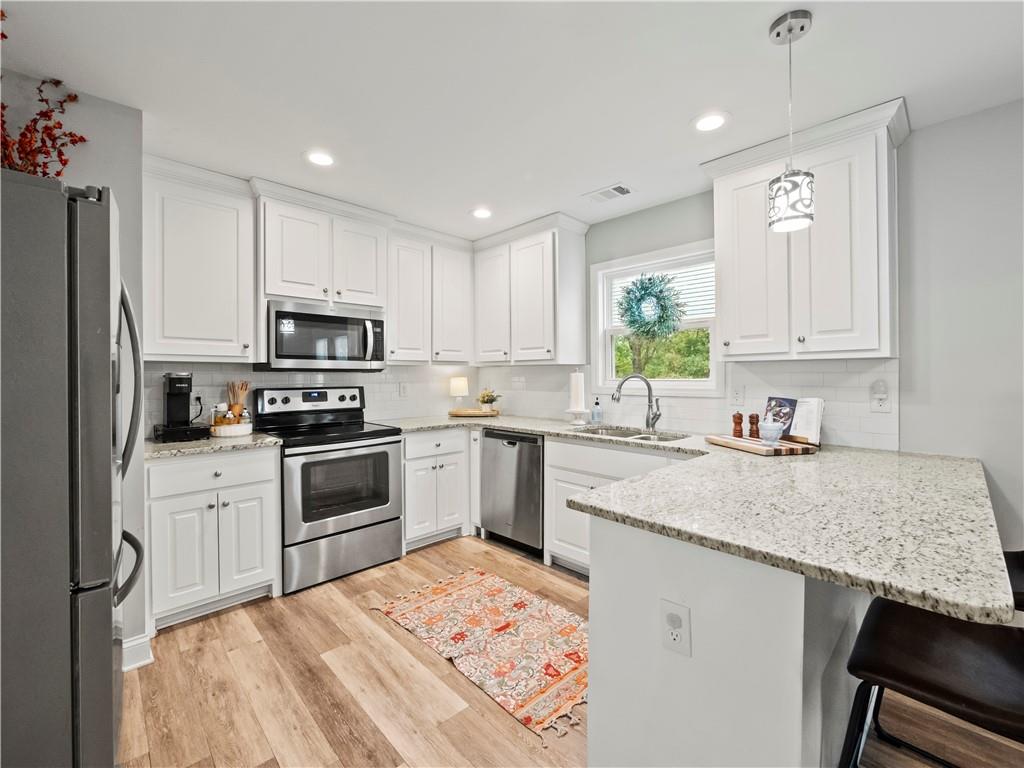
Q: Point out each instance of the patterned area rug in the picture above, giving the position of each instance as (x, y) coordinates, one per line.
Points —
(527, 653)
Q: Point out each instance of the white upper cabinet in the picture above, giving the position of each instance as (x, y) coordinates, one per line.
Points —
(296, 251)
(827, 291)
(359, 251)
(533, 297)
(835, 261)
(452, 304)
(198, 264)
(752, 266)
(409, 286)
(492, 305)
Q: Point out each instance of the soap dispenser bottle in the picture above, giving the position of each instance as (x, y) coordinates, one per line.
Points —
(596, 415)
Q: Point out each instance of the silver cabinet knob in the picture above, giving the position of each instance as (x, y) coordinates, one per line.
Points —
(434, 467)
(391, 351)
(505, 354)
(325, 291)
(225, 503)
(211, 505)
(801, 339)
(725, 343)
(437, 445)
(338, 292)
(440, 466)
(218, 473)
(436, 354)
(245, 346)
(548, 351)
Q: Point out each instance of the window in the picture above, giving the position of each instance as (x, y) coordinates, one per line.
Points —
(680, 363)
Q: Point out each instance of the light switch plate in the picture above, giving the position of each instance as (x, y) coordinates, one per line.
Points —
(674, 624)
(880, 404)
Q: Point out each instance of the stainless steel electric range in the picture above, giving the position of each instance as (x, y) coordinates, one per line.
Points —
(341, 482)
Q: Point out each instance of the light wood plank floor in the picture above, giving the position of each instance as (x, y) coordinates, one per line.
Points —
(319, 679)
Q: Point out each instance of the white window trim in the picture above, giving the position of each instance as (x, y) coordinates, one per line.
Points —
(602, 376)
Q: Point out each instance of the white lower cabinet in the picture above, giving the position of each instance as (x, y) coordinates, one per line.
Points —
(436, 483)
(214, 525)
(571, 469)
(474, 477)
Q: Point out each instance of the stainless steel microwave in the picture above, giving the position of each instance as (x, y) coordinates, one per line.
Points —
(312, 337)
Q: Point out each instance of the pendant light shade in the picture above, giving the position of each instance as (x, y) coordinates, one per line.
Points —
(790, 194)
(791, 201)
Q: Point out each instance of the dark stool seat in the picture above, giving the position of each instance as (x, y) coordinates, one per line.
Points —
(1015, 567)
(972, 671)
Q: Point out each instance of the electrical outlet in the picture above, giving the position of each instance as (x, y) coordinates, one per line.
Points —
(403, 390)
(675, 627)
(738, 395)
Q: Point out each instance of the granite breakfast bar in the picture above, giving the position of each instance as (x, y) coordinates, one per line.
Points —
(770, 563)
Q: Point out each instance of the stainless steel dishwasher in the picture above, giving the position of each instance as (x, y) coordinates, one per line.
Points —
(512, 486)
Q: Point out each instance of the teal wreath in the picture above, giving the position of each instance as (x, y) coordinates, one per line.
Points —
(650, 307)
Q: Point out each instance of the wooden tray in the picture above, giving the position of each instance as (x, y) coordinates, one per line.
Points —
(472, 412)
(782, 448)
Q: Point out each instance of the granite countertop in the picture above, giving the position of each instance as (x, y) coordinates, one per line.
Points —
(915, 528)
(155, 450)
(687, 446)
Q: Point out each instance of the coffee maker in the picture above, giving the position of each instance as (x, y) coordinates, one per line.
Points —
(177, 424)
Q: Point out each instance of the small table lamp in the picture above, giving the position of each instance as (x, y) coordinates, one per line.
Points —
(458, 387)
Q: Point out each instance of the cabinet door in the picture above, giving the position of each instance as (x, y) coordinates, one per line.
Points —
(198, 271)
(409, 286)
(474, 477)
(452, 490)
(249, 548)
(492, 297)
(453, 304)
(835, 261)
(296, 251)
(533, 297)
(359, 251)
(420, 497)
(752, 266)
(567, 532)
(184, 551)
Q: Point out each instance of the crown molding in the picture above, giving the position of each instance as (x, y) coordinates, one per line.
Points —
(416, 232)
(172, 170)
(891, 115)
(286, 194)
(551, 221)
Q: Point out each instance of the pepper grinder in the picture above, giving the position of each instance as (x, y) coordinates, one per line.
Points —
(737, 424)
(755, 429)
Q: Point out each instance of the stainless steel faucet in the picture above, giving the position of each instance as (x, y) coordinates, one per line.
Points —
(653, 403)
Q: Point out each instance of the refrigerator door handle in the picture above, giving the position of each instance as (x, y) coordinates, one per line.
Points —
(121, 592)
(134, 422)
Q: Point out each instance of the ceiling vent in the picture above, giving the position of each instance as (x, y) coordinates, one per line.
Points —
(613, 192)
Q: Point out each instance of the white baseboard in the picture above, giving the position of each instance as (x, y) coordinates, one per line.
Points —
(136, 652)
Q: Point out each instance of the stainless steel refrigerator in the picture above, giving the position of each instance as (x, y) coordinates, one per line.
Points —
(67, 564)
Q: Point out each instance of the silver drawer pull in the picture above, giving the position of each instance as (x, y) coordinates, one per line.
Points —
(225, 503)
(218, 473)
(211, 505)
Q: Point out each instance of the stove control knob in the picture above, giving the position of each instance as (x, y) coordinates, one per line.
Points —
(353, 398)
(341, 398)
(272, 401)
(285, 400)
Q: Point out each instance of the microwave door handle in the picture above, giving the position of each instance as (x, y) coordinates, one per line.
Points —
(369, 340)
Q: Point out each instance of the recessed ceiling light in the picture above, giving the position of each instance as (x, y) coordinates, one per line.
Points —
(481, 213)
(711, 121)
(319, 157)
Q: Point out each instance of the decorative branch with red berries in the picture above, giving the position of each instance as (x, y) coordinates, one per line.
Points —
(41, 144)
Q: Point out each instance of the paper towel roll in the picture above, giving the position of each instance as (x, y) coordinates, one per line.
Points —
(576, 396)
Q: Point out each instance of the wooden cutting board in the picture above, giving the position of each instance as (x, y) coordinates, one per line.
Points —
(750, 445)
(472, 412)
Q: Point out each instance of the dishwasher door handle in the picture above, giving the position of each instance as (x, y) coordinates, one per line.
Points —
(510, 443)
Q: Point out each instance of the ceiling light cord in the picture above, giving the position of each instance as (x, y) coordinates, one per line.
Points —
(789, 48)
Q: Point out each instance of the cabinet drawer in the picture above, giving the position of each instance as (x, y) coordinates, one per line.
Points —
(434, 443)
(169, 477)
(608, 462)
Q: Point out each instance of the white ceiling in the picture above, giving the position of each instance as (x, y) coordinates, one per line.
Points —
(432, 109)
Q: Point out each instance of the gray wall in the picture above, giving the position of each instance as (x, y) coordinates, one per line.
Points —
(680, 221)
(112, 157)
(960, 212)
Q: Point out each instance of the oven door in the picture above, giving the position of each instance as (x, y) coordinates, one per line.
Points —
(306, 336)
(335, 490)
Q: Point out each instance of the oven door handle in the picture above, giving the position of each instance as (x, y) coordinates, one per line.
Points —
(369, 340)
(316, 452)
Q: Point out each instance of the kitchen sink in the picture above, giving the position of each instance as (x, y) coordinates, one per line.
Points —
(661, 437)
(622, 432)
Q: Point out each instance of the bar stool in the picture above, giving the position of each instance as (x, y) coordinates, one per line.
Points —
(1015, 567)
(972, 671)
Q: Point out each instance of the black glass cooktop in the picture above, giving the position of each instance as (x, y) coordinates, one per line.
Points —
(327, 434)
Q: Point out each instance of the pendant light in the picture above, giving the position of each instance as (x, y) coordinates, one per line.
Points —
(790, 194)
